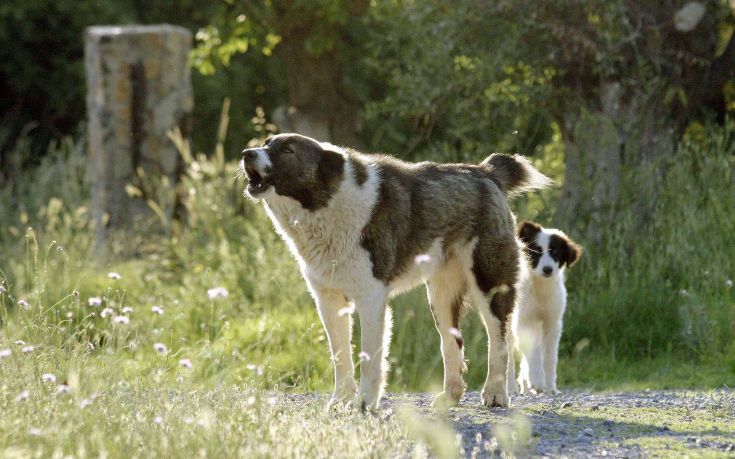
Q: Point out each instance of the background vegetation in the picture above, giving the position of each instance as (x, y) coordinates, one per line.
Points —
(605, 105)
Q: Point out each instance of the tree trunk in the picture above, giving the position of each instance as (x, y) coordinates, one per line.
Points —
(319, 105)
(610, 144)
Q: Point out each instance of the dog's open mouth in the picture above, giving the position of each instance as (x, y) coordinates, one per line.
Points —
(257, 182)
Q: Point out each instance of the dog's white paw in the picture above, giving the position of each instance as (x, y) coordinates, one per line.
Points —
(512, 387)
(450, 396)
(444, 400)
(495, 398)
(343, 396)
(340, 401)
(365, 402)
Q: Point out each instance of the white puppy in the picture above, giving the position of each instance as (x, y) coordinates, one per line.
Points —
(542, 297)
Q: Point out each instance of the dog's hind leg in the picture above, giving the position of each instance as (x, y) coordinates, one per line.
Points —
(446, 289)
(495, 390)
(334, 311)
(495, 269)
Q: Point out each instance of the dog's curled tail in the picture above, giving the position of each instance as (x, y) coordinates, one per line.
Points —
(515, 174)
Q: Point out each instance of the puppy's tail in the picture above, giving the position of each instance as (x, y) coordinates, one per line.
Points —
(515, 174)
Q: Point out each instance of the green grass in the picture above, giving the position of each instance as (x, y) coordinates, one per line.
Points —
(650, 308)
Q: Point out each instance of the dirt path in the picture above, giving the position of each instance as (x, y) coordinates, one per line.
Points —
(578, 424)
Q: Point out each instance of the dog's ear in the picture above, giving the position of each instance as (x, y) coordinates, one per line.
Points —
(527, 231)
(573, 252)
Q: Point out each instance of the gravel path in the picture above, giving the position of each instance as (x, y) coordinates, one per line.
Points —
(579, 424)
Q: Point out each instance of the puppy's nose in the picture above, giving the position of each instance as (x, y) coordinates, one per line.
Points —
(547, 270)
(249, 153)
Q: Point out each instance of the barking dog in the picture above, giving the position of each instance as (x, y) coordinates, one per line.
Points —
(542, 298)
(364, 227)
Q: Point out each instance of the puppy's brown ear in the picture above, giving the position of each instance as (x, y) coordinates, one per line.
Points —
(574, 251)
(527, 231)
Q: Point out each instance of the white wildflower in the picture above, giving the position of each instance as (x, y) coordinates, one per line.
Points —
(85, 403)
(23, 396)
(455, 332)
(2, 289)
(160, 348)
(346, 311)
(157, 310)
(19, 342)
(157, 420)
(94, 301)
(23, 303)
(217, 292)
(35, 432)
(5, 353)
(186, 363)
(728, 283)
(63, 389)
(48, 377)
(122, 320)
(363, 356)
(107, 312)
(422, 259)
(255, 368)
(114, 276)
(250, 401)
(127, 310)
(27, 349)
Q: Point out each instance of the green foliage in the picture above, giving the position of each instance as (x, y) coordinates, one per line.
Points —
(43, 83)
(663, 282)
(456, 87)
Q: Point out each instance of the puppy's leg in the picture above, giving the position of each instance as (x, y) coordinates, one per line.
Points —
(495, 391)
(375, 324)
(334, 312)
(551, 349)
(530, 342)
(446, 290)
(512, 385)
(523, 379)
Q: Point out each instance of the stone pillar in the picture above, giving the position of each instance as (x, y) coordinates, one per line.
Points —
(138, 88)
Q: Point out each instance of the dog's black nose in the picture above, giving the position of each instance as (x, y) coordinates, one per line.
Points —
(547, 270)
(249, 153)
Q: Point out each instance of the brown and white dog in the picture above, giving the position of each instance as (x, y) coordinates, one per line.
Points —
(365, 227)
(542, 299)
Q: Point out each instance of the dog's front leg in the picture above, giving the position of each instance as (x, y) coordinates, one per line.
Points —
(375, 327)
(336, 317)
(551, 349)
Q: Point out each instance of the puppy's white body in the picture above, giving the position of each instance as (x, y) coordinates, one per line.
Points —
(537, 321)
(537, 324)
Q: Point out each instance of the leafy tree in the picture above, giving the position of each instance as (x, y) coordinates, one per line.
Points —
(621, 79)
(310, 39)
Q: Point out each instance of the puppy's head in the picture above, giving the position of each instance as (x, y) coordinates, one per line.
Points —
(549, 250)
(293, 166)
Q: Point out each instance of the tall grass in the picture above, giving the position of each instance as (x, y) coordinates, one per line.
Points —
(662, 283)
(648, 292)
